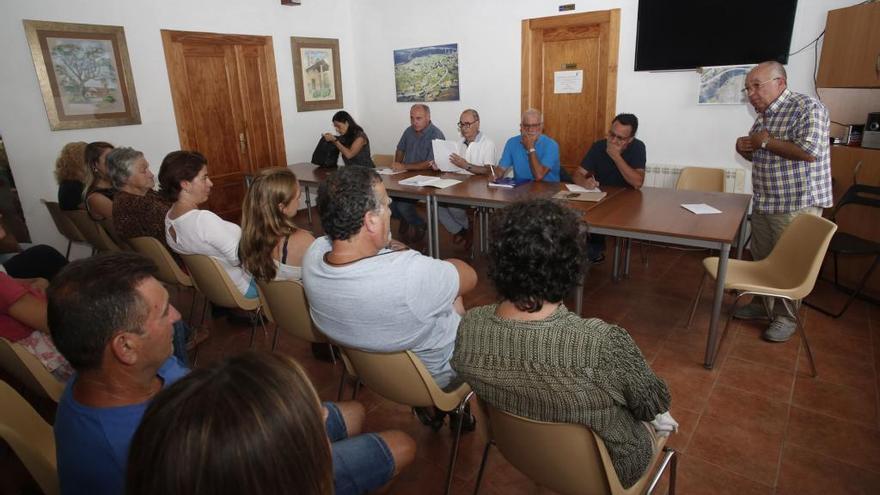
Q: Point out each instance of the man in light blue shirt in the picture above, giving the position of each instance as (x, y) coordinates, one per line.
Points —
(532, 154)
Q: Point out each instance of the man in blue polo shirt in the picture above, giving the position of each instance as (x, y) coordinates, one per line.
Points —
(531, 154)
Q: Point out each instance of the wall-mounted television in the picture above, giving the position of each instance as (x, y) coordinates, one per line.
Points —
(686, 34)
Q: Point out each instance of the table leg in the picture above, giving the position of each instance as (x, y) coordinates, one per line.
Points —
(628, 243)
(711, 346)
(309, 204)
(579, 296)
(436, 227)
(429, 210)
(741, 240)
(615, 274)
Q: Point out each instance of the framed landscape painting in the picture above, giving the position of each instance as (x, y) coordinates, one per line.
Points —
(428, 73)
(84, 74)
(316, 73)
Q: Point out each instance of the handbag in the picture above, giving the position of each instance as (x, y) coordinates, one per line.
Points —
(326, 154)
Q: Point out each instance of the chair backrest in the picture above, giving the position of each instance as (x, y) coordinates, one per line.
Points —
(383, 160)
(62, 223)
(27, 369)
(30, 437)
(398, 376)
(211, 279)
(701, 179)
(110, 229)
(92, 231)
(169, 271)
(284, 302)
(797, 256)
(567, 458)
(859, 194)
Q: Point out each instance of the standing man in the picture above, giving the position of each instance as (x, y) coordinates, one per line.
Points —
(415, 152)
(479, 156)
(532, 155)
(619, 161)
(788, 146)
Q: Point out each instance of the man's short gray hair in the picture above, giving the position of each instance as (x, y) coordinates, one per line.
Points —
(473, 113)
(120, 162)
(425, 108)
(535, 112)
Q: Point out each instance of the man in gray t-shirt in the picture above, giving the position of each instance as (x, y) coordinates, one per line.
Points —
(369, 292)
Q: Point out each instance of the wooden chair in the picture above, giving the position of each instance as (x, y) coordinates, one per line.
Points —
(30, 437)
(92, 231)
(28, 370)
(568, 458)
(64, 225)
(401, 377)
(214, 283)
(788, 273)
(701, 179)
(383, 161)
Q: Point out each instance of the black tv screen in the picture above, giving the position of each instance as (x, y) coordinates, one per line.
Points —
(686, 34)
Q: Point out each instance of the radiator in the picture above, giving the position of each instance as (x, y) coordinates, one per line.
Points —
(660, 175)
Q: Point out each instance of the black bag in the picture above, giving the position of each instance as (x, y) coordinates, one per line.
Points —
(326, 154)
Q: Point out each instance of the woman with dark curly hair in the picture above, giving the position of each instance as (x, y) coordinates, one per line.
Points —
(70, 172)
(531, 356)
(352, 142)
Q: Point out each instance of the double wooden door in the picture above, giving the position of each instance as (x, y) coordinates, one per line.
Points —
(225, 94)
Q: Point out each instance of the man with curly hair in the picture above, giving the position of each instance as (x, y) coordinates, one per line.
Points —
(372, 293)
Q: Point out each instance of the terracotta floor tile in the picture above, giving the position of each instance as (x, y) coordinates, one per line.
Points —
(806, 473)
(751, 347)
(842, 440)
(698, 477)
(687, 423)
(747, 410)
(835, 400)
(766, 381)
(840, 369)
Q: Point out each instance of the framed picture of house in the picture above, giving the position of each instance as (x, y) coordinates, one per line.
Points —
(316, 73)
(84, 74)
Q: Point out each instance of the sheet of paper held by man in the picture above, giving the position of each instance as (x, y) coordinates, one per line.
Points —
(442, 150)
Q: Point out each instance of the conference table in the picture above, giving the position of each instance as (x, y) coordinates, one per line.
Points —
(646, 214)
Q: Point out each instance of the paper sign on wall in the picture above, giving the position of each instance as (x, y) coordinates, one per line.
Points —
(568, 81)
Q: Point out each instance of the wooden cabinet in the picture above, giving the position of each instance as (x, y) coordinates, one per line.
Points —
(851, 48)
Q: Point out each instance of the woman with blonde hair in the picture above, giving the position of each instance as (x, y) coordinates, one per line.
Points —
(70, 172)
(98, 191)
(272, 247)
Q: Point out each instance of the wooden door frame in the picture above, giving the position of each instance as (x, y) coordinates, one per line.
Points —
(531, 70)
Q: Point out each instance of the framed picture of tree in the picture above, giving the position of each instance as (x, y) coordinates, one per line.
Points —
(316, 73)
(84, 74)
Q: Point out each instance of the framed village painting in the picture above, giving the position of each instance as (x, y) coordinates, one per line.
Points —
(316, 73)
(84, 74)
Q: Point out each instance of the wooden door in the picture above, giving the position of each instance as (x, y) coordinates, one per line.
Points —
(226, 103)
(586, 42)
(851, 48)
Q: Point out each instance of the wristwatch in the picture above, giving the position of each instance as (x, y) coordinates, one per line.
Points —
(531, 150)
(764, 143)
(468, 167)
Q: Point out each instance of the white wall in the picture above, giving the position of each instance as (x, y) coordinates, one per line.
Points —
(32, 147)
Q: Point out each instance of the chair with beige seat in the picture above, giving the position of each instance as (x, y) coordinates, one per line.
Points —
(568, 458)
(401, 377)
(383, 161)
(701, 179)
(92, 231)
(788, 273)
(64, 225)
(285, 305)
(214, 283)
(30, 437)
(27, 369)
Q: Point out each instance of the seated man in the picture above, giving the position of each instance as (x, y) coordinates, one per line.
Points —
(415, 152)
(616, 161)
(112, 321)
(370, 293)
(532, 155)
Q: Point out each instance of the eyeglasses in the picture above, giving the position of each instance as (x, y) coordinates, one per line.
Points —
(465, 125)
(756, 86)
(531, 126)
(612, 135)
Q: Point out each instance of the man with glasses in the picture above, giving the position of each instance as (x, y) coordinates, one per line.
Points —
(789, 148)
(618, 160)
(479, 158)
(532, 155)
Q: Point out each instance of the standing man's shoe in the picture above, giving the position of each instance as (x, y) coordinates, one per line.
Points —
(755, 310)
(780, 330)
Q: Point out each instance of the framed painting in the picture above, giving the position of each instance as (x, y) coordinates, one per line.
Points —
(428, 73)
(316, 73)
(84, 74)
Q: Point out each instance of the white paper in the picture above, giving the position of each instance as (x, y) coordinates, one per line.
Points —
(568, 81)
(427, 180)
(701, 209)
(389, 171)
(580, 189)
(442, 150)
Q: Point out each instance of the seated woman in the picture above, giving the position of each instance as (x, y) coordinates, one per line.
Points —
(253, 424)
(138, 210)
(70, 172)
(183, 177)
(271, 246)
(98, 191)
(352, 141)
(531, 356)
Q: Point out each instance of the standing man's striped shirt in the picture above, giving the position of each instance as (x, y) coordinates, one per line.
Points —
(781, 185)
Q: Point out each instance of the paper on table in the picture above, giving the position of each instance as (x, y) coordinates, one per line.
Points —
(701, 209)
(427, 180)
(442, 150)
(389, 171)
(581, 189)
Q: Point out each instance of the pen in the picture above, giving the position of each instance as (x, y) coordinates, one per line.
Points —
(491, 169)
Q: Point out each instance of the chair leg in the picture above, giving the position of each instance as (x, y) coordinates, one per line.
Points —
(357, 388)
(275, 338)
(341, 385)
(852, 295)
(697, 299)
(799, 326)
(670, 459)
(482, 467)
(460, 412)
(716, 346)
(69, 244)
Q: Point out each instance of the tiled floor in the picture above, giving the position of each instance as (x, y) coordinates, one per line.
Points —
(757, 423)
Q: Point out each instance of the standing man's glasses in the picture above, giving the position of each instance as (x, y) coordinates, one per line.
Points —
(756, 86)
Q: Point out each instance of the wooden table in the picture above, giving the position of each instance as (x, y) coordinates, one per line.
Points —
(656, 214)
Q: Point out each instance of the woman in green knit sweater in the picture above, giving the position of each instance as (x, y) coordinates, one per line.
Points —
(530, 356)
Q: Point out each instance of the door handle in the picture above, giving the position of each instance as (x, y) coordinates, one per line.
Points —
(242, 142)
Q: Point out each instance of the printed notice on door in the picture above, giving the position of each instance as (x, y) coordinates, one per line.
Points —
(568, 81)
